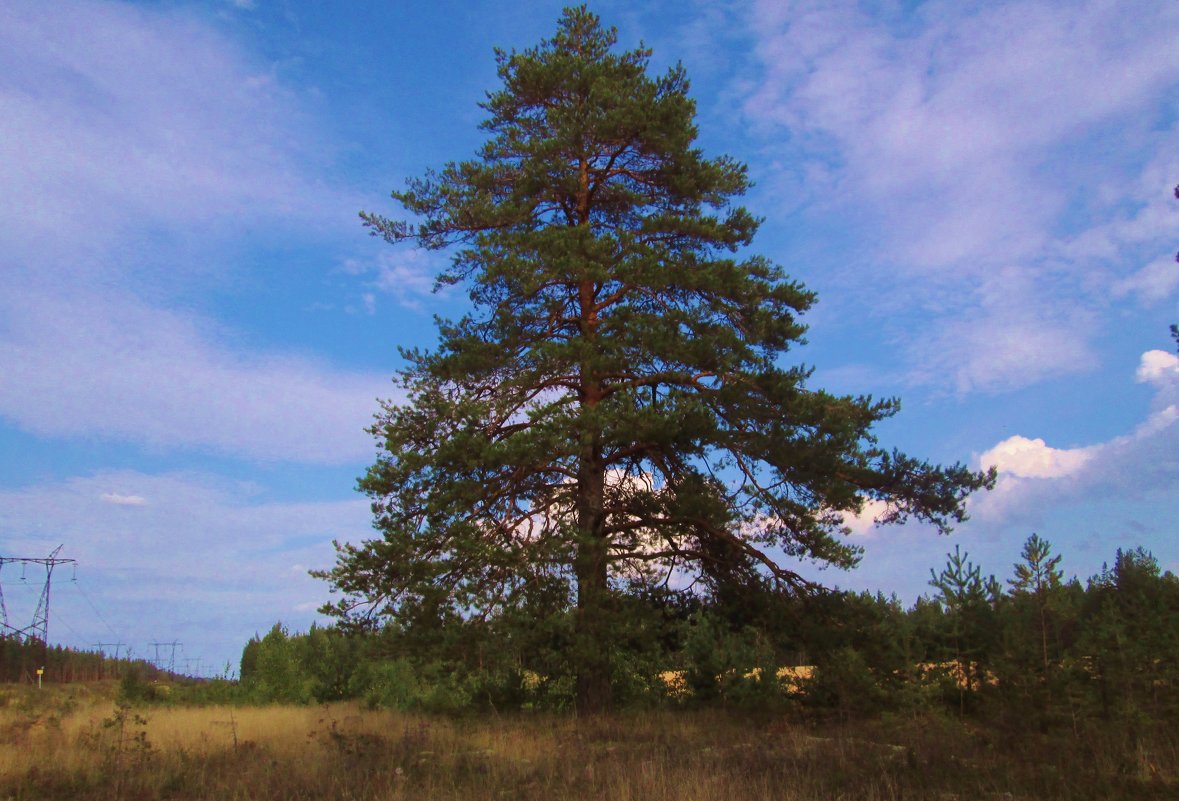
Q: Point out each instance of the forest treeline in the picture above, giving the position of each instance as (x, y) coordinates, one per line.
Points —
(1031, 649)
(20, 660)
(1034, 648)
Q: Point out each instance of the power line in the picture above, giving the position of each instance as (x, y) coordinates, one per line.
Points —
(94, 608)
(59, 619)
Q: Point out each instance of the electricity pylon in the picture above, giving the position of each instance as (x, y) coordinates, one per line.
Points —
(171, 655)
(38, 630)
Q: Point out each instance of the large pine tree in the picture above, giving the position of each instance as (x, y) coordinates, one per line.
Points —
(615, 405)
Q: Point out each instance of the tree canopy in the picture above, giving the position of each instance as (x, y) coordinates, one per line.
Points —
(615, 407)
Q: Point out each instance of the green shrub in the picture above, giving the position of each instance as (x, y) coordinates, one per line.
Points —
(731, 666)
(390, 684)
(843, 682)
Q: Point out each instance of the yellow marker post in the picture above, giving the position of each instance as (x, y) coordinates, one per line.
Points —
(40, 672)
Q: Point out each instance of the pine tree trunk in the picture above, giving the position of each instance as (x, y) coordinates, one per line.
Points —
(592, 635)
(594, 690)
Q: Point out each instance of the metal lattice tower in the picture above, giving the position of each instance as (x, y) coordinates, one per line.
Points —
(102, 646)
(38, 630)
(171, 654)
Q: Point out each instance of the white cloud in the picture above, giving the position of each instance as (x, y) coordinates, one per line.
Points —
(110, 367)
(966, 147)
(407, 275)
(135, 139)
(864, 523)
(1033, 458)
(1158, 367)
(123, 500)
(995, 350)
(118, 118)
(1153, 283)
(952, 109)
(1033, 474)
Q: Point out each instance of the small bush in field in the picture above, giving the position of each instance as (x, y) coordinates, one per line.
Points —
(391, 685)
(843, 682)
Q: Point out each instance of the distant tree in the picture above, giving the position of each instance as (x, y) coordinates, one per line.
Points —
(1036, 577)
(969, 601)
(277, 673)
(961, 585)
(1039, 572)
(614, 406)
(248, 668)
(1131, 639)
(1032, 618)
(724, 664)
(330, 660)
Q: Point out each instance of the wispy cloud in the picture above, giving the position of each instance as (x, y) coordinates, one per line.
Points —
(406, 275)
(117, 119)
(122, 500)
(135, 139)
(108, 366)
(1153, 283)
(1000, 163)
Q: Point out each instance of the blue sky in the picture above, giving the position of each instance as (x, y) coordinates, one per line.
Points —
(194, 327)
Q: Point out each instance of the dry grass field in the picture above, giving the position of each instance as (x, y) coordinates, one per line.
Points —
(76, 743)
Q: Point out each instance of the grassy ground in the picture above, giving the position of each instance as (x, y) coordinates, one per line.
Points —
(76, 743)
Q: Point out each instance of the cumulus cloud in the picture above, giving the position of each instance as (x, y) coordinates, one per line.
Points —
(864, 523)
(1033, 473)
(1158, 367)
(1033, 458)
(965, 147)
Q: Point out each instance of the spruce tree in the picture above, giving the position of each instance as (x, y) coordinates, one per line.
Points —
(615, 405)
(1033, 618)
(1036, 577)
(969, 601)
(1130, 639)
